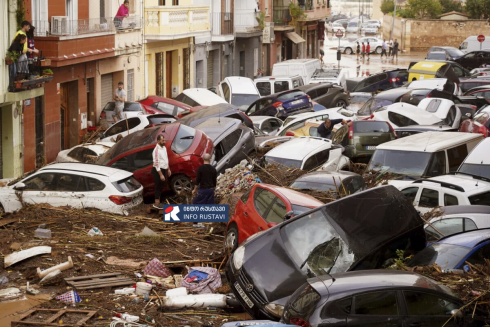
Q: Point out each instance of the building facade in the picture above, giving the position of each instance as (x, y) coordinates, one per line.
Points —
(248, 39)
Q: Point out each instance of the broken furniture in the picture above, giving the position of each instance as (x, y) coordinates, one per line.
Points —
(61, 267)
(52, 320)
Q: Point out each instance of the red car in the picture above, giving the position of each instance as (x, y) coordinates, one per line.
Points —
(185, 149)
(479, 124)
(157, 105)
(263, 207)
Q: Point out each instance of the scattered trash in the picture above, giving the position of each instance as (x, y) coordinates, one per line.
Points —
(127, 317)
(198, 225)
(176, 292)
(69, 297)
(95, 232)
(236, 179)
(168, 282)
(128, 290)
(42, 233)
(202, 280)
(53, 277)
(138, 275)
(25, 254)
(3, 280)
(10, 293)
(61, 267)
(91, 256)
(124, 262)
(142, 288)
(196, 301)
(156, 268)
(147, 232)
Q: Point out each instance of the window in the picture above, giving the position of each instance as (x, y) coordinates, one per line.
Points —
(263, 200)
(313, 94)
(437, 164)
(167, 108)
(40, 182)
(280, 86)
(433, 105)
(226, 91)
(429, 198)
(275, 124)
(458, 71)
(298, 82)
(264, 88)
(480, 199)
(376, 304)
(143, 159)
(183, 139)
(345, 305)
(411, 193)
(450, 200)
(324, 90)
(446, 227)
(245, 196)
(231, 140)
(132, 106)
(39, 14)
(313, 131)
(277, 212)
(322, 156)
(424, 304)
(122, 163)
(310, 163)
(400, 120)
(122, 126)
(456, 156)
(69, 183)
(94, 184)
(76, 154)
(478, 257)
(127, 185)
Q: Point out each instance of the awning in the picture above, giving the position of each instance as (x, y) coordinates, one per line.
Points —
(293, 36)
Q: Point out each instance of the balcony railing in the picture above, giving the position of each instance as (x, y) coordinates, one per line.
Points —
(246, 22)
(161, 21)
(27, 74)
(131, 22)
(222, 23)
(281, 16)
(61, 25)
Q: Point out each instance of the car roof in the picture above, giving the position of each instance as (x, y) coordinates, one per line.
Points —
(480, 153)
(429, 141)
(217, 127)
(295, 197)
(114, 174)
(209, 111)
(307, 115)
(241, 85)
(465, 209)
(469, 239)
(325, 177)
(432, 83)
(203, 96)
(392, 93)
(469, 184)
(272, 78)
(299, 148)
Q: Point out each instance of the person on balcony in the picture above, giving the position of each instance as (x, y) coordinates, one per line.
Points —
(25, 26)
(30, 45)
(122, 13)
(18, 70)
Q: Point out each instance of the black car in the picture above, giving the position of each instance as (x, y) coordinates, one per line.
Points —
(377, 298)
(416, 129)
(382, 81)
(218, 110)
(452, 53)
(381, 100)
(358, 232)
(281, 105)
(474, 59)
(326, 94)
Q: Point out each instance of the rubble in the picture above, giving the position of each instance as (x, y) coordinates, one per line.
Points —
(237, 179)
(62, 266)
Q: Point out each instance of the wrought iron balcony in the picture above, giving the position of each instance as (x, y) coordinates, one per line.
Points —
(281, 16)
(26, 74)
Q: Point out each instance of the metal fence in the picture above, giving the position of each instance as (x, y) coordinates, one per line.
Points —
(281, 16)
(222, 23)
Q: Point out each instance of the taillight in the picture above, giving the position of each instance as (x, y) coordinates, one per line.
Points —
(277, 104)
(117, 199)
(299, 322)
(395, 79)
(473, 107)
(289, 133)
(483, 130)
(371, 117)
(102, 114)
(309, 98)
(351, 132)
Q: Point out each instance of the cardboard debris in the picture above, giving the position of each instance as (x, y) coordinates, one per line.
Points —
(25, 254)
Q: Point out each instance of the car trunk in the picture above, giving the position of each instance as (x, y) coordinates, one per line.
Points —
(371, 134)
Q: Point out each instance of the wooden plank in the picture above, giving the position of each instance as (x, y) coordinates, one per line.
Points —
(4, 222)
(102, 286)
(92, 276)
(55, 316)
(101, 282)
(58, 314)
(87, 318)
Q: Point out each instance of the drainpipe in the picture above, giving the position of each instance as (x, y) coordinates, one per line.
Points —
(393, 22)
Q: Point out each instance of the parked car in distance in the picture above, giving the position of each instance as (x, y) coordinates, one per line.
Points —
(452, 53)
(437, 55)
(157, 105)
(239, 91)
(84, 153)
(308, 153)
(457, 219)
(369, 227)
(335, 18)
(330, 75)
(471, 43)
(478, 162)
(479, 124)
(369, 29)
(131, 125)
(232, 141)
(430, 69)
(274, 84)
(416, 129)
(338, 183)
(268, 125)
(351, 47)
(377, 298)
(77, 185)
(185, 149)
(131, 109)
(343, 21)
(452, 252)
(474, 59)
(326, 94)
(263, 207)
(219, 110)
(376, 23)
(382, 81)
(199, 97)
(336, 27)
(436, 83)
(352, 27)
(403, 114)
(302, 67)
(281, 105)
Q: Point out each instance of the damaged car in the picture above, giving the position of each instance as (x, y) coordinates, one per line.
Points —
(358, 232)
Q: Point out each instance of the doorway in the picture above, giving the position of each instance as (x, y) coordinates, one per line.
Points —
(168, 74)
(159, 74)
(69, 114)
(242, 63)
(39, 129)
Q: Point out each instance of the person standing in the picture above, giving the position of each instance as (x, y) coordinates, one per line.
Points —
(390, 47)
(259, 73)
(395, 49)
(160, 170)
(30, 45)
(363, 50)
(25, 27)
(383, 49)
(368, 50)
(358, 50)
(19, 67)
(120, 98)
(322, 53)
(206, 181)
(123, 12)
(325, 129)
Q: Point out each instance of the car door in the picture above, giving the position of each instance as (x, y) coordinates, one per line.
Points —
(256, 211)
(324, 96)
(429, 199)
(375, 309)
(428, 310)
(96, 195)
(69, 190)
(38, 189)
(412, 194)
(231, 151)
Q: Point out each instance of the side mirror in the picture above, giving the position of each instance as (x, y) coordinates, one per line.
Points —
(457, 313)
(19, 186)
(288, 215)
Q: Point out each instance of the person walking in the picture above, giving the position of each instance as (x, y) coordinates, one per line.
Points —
(390, 47)
(395, 49)
(363, 50)
(205, 182)
(368, 50)
(322, 53)
(383, 49)
(160, 170)
(122, 12)
(358, 50)
(120, 98)
(325, 129)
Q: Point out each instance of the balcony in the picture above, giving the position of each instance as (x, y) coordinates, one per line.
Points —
(61, 26)
(168, 23)
(316, 9)
(26, 75)
(282, 19)
(223, 26)
(246, 23)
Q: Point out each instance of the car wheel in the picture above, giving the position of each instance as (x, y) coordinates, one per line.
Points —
(231, 240)
(378, 50)
(181, 183)
(348, 51)
(341, 103)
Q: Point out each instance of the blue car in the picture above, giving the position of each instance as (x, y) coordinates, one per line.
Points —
(452, 252)
(281, 105)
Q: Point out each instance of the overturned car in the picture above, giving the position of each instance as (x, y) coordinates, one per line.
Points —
(358, 232)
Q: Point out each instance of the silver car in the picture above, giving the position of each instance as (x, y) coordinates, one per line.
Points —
(131, 109)
(351, 47)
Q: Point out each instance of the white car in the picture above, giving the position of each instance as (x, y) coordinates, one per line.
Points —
(84, 152)
(351, 47)
(370, 29)
(376, 23)
(457, 219)
(352, 27)
(268, 85)
(478, 161)
(403, 114)
(131, 125)
(199, 97)
(268, 125)
(295, 121)
(330, 75)
(131, 109)
(76, 185)
(238, 91)
(335, 27)
(447, 190)
(434, 83)
(445, 109)
(308, 153)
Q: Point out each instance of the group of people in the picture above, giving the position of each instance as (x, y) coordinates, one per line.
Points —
(365, 49)
(23, 46)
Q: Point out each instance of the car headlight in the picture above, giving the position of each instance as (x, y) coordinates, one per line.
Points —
(275, 309)
(238, 256)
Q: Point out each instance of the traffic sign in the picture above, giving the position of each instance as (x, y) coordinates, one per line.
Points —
(339, 33)
(481, 38)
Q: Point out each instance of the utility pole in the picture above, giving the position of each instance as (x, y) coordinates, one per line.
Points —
(393, 22)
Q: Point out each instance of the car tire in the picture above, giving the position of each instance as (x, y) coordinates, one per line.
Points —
(340, 103)
(378, 50)
(180, 182)
(231, 239)
(348, 51)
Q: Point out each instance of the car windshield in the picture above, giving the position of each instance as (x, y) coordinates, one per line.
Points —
(183, 139)
(323, 251)
(407, 163)
(127, 185)
(475, 169)
(436, 56)
(369, 107)
(132, 106)
(286, 162)
(447, 256)
(318, 186)
(243, 101)
(453, 52)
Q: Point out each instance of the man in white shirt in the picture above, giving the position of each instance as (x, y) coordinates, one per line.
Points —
(160, 170)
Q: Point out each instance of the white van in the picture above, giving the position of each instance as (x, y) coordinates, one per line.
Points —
(273, 84)
(238, 91)
(302, 67)
(472, 44)
(478, 161)
(423, 155)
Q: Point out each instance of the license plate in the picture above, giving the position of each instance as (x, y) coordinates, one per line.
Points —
(243, 295)
(371, 147)
(297, 102)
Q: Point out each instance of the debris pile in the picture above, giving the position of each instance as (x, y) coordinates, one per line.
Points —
(237, 179)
